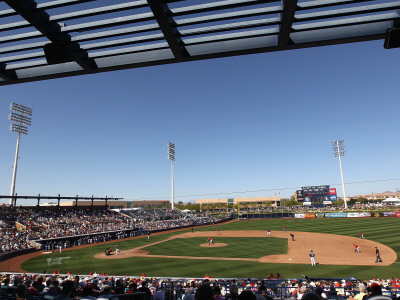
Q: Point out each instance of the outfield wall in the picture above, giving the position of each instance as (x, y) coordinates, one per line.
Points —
(376, 214)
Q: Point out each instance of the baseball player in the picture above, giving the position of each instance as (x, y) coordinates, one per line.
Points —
(218, 232)
(284, 228)
(268, 231)
(292, 236)
(357, 248)
(312, 257)
(210, 241)
(378, 256)
(361, 235)
(117, 249)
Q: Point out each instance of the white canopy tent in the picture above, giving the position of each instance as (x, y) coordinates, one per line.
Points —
(394, 201)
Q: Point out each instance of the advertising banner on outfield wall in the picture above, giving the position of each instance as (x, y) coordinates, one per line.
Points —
(364, 214)
(319, 215)
(377, 215)
(353, 215)
(389, 213)
(398, 214)
(335, 215)
(299, 216)
(310, 216)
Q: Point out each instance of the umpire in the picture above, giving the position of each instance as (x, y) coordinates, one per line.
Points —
(378, 256)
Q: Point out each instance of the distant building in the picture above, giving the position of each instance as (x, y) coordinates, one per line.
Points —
(113, 204)
(379, 196)
(233, 201)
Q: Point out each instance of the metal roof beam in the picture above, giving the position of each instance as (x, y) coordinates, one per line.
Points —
(168, 28)
(287, 18)
(228, 27)
(347, 22)
(367, 9)
(201, 8)
(84, 37)
(326, 3)
(99, 10)
(228, 16)
(47, 5)
(40, 20)
(7, 75)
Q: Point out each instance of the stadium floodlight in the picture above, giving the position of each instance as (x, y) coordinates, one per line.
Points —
(171, 157)
(21, 115)
(338, 150)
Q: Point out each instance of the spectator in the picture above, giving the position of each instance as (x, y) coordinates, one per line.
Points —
(247, 295)
(217, 293)
(362, 292)
(20, 292)
(33, 289)
(159, 295)
(311, 296)
(234, 294)
(67, 291)
(145, 289)
(107, 294)
(204, 292)
(189, 294)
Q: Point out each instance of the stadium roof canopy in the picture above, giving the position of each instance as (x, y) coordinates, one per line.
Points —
(50, 39)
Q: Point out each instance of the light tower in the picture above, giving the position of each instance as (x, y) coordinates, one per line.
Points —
(21, 116)
(171, 157)
(338, 150)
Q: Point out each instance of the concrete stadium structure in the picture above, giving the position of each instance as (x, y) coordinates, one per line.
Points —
(233, 201)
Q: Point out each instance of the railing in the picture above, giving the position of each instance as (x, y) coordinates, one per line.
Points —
(10, 255)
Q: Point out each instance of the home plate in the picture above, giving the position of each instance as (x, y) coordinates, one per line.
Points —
(290, 259)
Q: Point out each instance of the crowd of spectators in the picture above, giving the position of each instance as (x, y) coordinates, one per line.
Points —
(95, 286)
(74, 227)
(12, 240)
(312, 209)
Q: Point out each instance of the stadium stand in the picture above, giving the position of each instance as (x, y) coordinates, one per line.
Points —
(67, 286)
(24, 229)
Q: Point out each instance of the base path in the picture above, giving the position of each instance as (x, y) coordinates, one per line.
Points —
(329, 249)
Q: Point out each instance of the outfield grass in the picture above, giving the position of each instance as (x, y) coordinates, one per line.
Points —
(244, 247)
(81, 261)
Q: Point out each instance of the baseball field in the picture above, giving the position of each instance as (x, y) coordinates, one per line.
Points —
(242, 249)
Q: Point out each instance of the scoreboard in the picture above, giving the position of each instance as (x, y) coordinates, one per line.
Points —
(321, 194)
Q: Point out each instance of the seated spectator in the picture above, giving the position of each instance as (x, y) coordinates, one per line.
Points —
(375, 292)
(132, 288)
(67, 292)
(145, 289)
(234, 294)
(33, 289)
(51, 293)
(311, 296)
(107, 294)
(204, 292)
(362, 292)
(247, 295)
(159, 295)
(189, 294)
(21, 292)
(217, 293)
(87, 293)
(262, 293)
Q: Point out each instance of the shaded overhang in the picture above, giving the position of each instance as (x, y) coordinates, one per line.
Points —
(52, 39)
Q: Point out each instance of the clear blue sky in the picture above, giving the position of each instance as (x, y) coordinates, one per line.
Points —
(247, 123)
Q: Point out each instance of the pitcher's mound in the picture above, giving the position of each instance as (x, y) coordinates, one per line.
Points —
(214, 245)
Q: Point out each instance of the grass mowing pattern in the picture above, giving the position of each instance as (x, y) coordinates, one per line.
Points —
(382, 230)
(244, 247)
